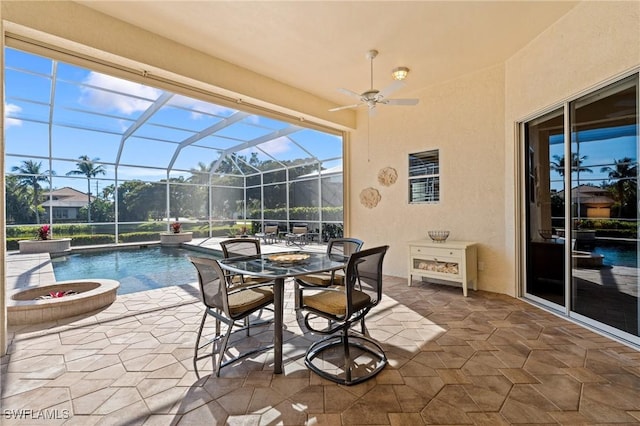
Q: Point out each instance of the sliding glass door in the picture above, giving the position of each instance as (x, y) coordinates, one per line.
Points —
(581, 245)
(546, 222)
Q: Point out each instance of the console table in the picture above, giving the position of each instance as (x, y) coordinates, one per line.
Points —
(455, 261)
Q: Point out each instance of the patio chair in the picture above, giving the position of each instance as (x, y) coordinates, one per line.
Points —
(269, 235)
(236, 247)
(297, 236)
(227, 305)
(336, 246)
(362, 357)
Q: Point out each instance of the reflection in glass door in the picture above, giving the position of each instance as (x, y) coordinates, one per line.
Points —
(604, 206)
(581, 251)
(544, 138)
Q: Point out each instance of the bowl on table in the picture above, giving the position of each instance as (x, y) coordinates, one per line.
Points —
(438, 236)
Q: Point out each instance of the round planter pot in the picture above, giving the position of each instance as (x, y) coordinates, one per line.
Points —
(45, 246)
(175, 239)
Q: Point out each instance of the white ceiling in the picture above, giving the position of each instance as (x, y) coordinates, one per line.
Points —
(321, 46)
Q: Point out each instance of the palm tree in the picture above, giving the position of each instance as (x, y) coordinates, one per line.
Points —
(30, 177)
(576, 162)
(623, 170)
(86, 167)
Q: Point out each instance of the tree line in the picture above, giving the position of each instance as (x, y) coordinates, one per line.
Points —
(138, 201)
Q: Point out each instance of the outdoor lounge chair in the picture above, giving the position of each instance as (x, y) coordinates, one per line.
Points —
(297, 236)
(269, 235)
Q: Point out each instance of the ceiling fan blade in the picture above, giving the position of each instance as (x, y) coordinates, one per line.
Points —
(401, 101)
(350, 93)
(344, 107)
(390, 89)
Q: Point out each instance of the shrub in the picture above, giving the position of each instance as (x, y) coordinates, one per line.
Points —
(89, 240)
(132, 237)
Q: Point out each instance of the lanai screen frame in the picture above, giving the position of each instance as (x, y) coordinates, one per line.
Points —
(289, 132)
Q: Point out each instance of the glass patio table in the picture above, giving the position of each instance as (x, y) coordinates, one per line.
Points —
(266, 265)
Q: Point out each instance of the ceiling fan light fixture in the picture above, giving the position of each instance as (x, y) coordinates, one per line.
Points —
(400, 73)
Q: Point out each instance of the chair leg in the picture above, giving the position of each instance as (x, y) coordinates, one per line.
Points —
(222, 350)
(347, 355)
(197, 345)
(297, 295)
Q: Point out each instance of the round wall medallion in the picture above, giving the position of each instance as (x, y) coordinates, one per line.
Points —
(387, 176)
(370, 197)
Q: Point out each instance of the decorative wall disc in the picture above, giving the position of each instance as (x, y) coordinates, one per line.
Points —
(370, 197)
(387, 176)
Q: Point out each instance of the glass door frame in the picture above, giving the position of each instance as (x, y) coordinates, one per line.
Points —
(521, 212)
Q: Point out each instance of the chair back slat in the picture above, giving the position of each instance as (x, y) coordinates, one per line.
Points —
(212, 281)
(240, 247)
(364, 273)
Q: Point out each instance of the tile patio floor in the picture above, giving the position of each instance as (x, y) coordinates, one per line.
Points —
(487, 359)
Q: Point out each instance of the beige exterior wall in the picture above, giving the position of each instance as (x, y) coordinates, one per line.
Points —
(463, 119)
(472, 121)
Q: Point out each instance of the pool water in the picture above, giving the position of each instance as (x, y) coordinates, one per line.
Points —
(618, 255)
(137, 269)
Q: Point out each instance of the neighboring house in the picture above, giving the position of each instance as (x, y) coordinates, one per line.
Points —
(65, 203)
(594, 202)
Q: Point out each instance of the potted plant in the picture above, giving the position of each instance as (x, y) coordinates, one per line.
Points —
(43, 243)
(176, 236)
(44, 232)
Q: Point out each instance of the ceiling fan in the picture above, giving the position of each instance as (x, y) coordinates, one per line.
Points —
(372, 97)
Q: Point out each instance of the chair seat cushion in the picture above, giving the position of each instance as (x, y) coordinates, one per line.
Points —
(335, 302)
(322, 279)
(246, 300)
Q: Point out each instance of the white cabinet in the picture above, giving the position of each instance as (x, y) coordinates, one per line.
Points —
(455, 261)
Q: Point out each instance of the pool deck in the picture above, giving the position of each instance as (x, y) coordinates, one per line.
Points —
(34, 270)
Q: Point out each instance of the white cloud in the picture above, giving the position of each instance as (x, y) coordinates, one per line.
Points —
(10, 109)
(201, 106)
(277, 146)
(110, 101)
(273, 147)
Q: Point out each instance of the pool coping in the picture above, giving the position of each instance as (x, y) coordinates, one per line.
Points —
(36, 269)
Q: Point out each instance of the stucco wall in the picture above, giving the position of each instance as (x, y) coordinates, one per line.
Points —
(463, 119)
(471, 121)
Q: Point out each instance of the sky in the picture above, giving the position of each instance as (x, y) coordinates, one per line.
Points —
(92, 111)
(595, 155)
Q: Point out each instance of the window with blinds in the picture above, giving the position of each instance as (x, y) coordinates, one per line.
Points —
(424, 177)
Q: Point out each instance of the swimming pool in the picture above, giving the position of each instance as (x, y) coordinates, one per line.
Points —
(137, 269)
(616, 253)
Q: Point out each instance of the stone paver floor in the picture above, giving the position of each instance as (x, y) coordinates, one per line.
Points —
(487, 359)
